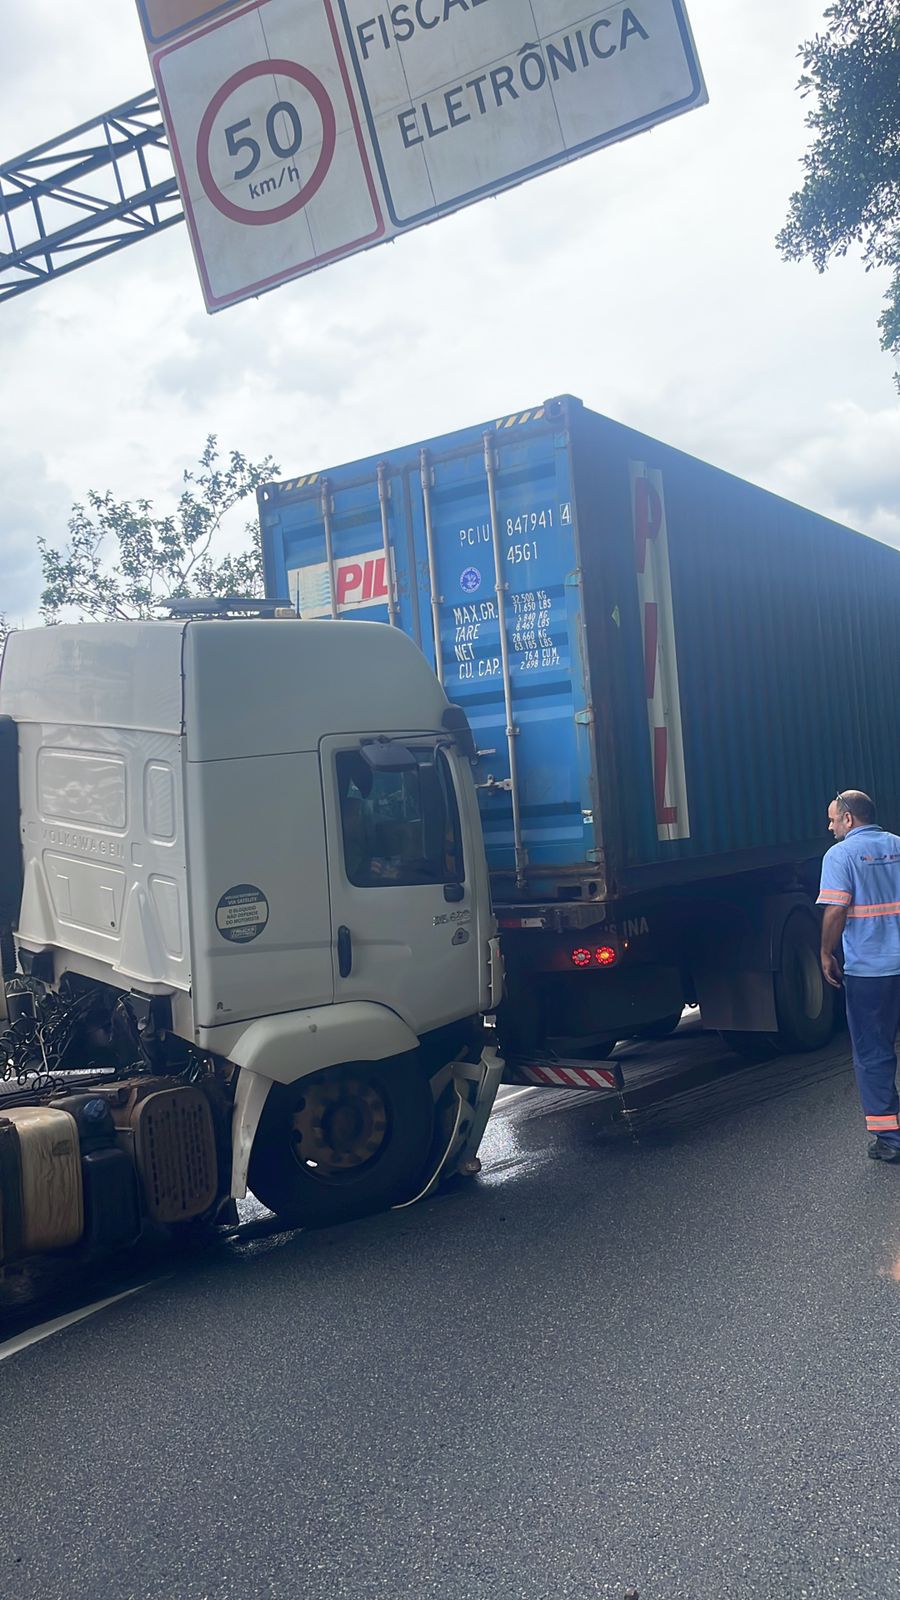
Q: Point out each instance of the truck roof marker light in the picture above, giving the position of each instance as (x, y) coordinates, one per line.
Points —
(605, 956)
(581, 958)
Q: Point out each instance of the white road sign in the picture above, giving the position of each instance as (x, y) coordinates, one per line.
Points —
(305, 130)
(272, 161)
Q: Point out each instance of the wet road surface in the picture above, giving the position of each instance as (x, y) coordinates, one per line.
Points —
(655, 1345)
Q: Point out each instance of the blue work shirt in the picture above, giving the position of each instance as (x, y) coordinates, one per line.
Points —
(862, 874)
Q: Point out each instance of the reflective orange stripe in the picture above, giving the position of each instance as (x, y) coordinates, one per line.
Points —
(876, 911)
(834, 897)
(876, 1124)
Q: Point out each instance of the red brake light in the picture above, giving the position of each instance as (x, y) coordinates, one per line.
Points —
(605, 956)
(581, 958)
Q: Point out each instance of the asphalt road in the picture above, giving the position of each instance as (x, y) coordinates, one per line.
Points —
(656, 1350)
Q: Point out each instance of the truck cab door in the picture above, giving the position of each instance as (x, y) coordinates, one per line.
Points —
(404, 893)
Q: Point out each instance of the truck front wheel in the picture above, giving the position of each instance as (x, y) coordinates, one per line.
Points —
(343, 1143)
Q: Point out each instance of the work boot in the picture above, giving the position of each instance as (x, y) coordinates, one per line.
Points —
(881, 1151)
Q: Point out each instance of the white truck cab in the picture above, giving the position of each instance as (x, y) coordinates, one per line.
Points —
(259, 840)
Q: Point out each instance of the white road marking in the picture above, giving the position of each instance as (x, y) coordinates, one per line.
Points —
(12, 1347)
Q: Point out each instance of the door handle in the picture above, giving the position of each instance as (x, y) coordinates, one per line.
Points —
(454, 892)
(345, 952)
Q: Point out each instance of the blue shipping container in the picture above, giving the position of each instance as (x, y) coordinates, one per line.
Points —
(690, 666)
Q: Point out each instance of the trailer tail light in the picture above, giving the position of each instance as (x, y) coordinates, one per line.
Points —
(603, 956)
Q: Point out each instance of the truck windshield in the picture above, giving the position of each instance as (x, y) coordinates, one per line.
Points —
(399, 828)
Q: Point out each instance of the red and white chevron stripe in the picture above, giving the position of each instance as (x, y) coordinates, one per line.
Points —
(573, 1077)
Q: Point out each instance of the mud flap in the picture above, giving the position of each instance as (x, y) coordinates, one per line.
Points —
(475, 1085)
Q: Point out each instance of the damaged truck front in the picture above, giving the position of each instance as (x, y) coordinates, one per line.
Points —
(246, 928)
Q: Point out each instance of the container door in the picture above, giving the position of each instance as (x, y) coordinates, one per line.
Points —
(404, 920)
(452, 513)
(526, 530)
(342, 548)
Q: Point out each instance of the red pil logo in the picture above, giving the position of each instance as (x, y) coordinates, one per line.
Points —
(361, 581)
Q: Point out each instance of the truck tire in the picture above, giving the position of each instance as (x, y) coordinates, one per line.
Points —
(343, 1143)
(804, 1002)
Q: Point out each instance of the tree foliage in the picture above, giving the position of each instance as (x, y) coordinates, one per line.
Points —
(851, 189)
(123, 560)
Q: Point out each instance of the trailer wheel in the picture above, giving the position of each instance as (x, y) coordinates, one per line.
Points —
(804, 1002)
(343, 1143)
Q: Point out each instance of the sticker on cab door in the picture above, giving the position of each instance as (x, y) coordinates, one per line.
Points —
(242, 913)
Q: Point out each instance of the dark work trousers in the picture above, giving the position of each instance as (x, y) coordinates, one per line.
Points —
(873, 1015)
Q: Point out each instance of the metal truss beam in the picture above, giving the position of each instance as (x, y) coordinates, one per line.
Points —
(85, 195)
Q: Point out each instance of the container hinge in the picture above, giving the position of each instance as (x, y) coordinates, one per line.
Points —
(596, 857)
(491, 460)
(384, 498)
(491, 782)
(426, 477)
(327, 504)
(585, 718)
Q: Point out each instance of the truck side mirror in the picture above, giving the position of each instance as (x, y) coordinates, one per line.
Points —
(387, 755)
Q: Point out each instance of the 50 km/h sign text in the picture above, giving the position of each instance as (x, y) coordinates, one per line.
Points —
(238, 139)
(282, 126)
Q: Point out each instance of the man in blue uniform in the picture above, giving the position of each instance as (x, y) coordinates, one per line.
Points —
(861, 895)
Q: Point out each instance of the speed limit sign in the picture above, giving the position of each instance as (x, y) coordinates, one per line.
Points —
(304, 130)
(266, 138)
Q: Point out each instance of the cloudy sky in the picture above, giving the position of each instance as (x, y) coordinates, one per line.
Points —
(643, 278)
